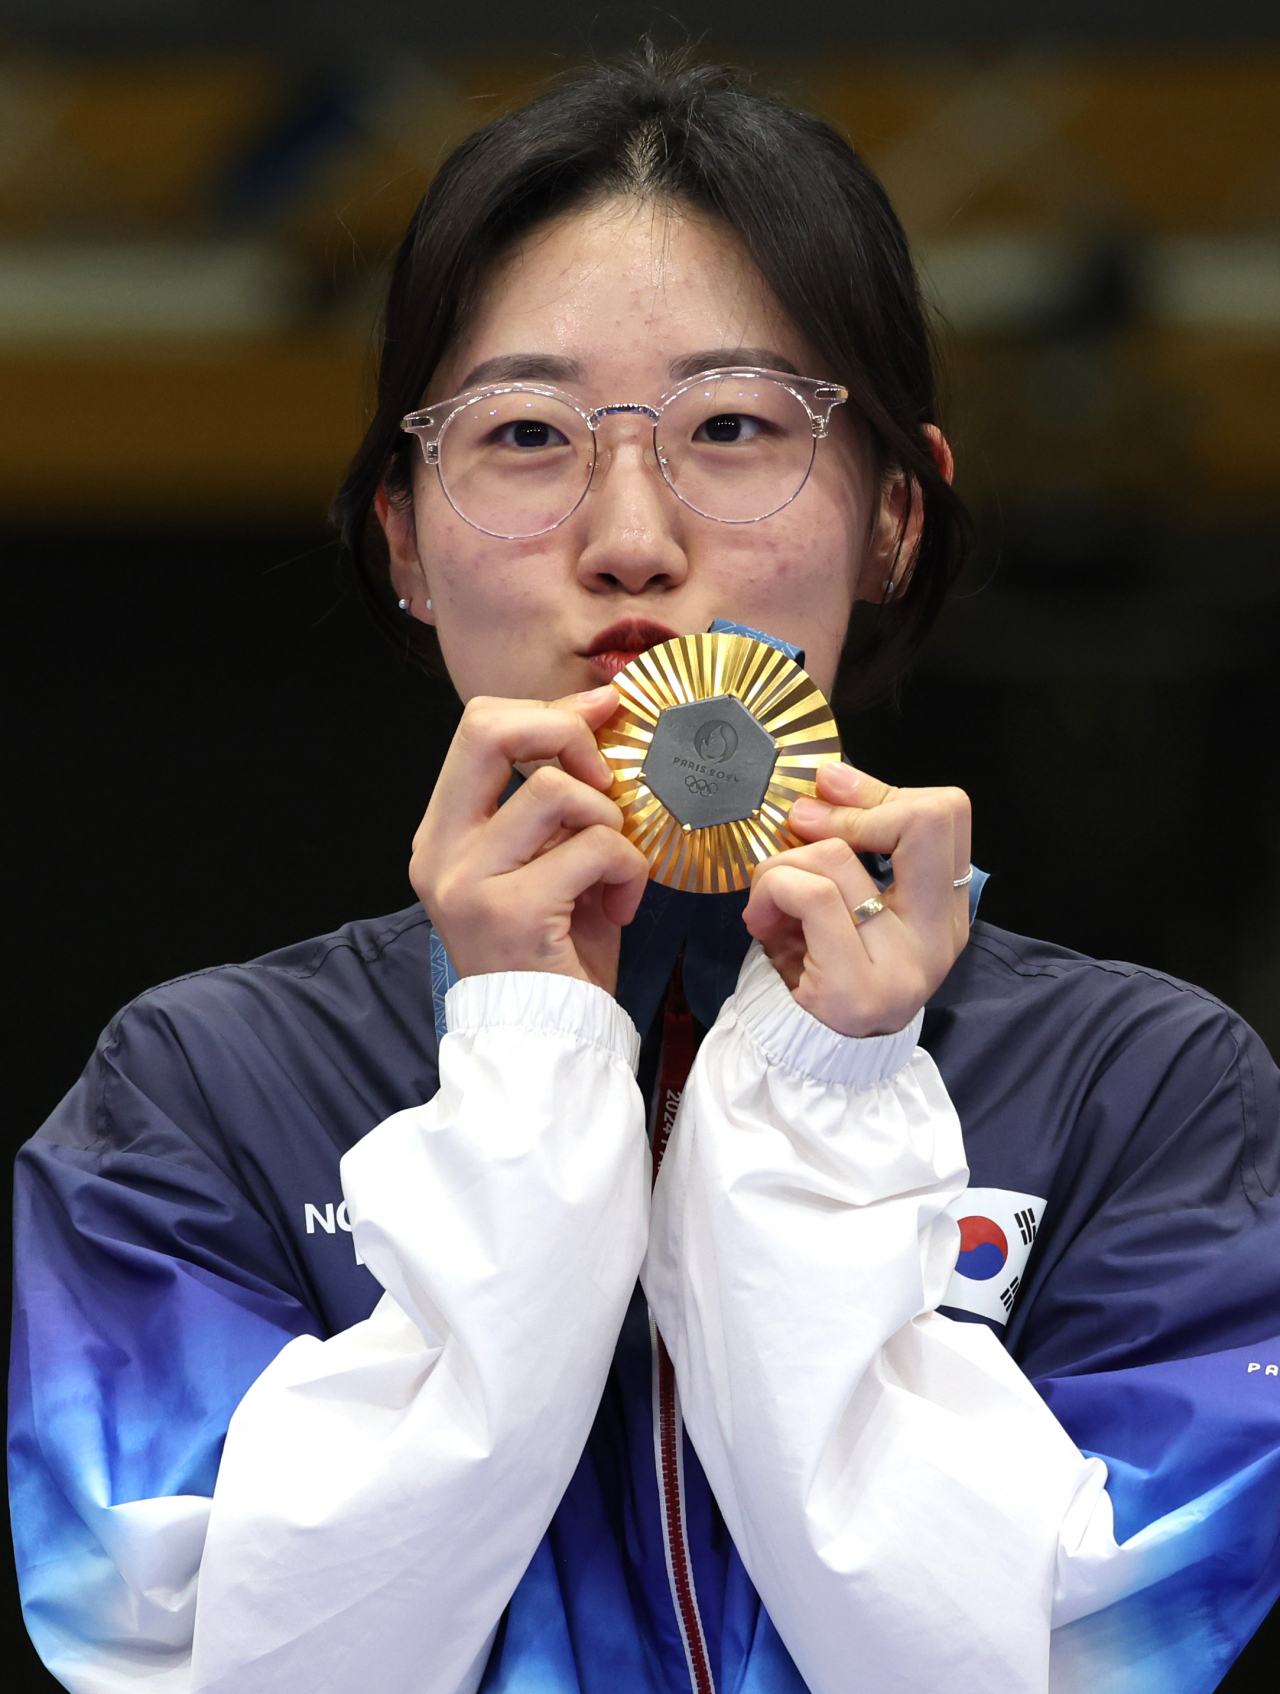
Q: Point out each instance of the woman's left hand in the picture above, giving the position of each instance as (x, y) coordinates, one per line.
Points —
(869, 978)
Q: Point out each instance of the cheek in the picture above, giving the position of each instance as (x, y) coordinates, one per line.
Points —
(806, 557)
(476, 577)
(492, 600)
(796, 574)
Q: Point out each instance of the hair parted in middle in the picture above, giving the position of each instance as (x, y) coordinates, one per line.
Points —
(809, 213)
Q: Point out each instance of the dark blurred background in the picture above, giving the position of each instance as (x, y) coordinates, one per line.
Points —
(214, 754)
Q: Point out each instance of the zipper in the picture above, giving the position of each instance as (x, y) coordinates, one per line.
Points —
(679, 1045)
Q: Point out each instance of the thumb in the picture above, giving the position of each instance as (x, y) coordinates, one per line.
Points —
(595, 706)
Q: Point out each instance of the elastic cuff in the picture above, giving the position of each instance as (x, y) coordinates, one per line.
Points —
(793, 1039)
(541, 1000)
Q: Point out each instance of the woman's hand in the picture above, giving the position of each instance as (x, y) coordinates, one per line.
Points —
(870, 978)
(545, 882)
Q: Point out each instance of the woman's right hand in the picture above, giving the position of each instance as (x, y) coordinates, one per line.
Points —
(545, 882)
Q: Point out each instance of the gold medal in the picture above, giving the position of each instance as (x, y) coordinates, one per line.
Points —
(715, 737)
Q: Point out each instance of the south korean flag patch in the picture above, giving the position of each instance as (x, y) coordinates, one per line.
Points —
(998, 1228)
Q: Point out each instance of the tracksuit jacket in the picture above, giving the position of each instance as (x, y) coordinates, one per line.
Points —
(332, 1371)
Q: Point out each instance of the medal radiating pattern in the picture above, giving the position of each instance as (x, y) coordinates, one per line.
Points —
(730, 672)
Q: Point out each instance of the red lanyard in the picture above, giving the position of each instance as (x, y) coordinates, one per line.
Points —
(680, 1040)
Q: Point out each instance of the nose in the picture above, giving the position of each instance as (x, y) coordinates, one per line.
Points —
(631, 521)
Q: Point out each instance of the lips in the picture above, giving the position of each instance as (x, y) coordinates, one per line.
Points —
(618, 645)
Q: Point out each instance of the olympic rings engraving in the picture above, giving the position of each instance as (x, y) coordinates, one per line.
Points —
(700, 786)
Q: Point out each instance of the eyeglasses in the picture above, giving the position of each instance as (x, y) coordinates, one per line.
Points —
(516, 460)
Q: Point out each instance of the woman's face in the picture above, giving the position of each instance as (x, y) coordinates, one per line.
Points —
(615, 303)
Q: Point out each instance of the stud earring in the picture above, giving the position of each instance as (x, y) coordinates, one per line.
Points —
(430, 607)
(403, 605)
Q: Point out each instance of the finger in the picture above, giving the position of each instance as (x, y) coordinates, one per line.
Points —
(918, 834)
(833, 858)
(844, 788)
(767, 917)
(841, 983)
(792, 893)
(548, 808)
(582, 757)
(845, 785)
(595, 855)
(842, 792)
(924, 830)
(496, 733)
(840, 955)
(926, 833)
(595, 938)
(620, 901)
(932, 852)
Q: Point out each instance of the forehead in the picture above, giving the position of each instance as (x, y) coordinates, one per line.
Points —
(628, 292)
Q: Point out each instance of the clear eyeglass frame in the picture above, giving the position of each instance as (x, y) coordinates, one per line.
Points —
(818, 397)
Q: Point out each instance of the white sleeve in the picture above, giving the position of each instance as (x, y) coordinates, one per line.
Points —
(381, 1493)
(909, 1509)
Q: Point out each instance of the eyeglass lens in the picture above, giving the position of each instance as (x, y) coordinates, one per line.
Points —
(732, 448)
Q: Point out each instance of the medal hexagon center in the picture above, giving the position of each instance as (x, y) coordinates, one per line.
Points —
(709, 762)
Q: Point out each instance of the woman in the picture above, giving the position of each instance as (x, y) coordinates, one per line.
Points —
(409, 1424)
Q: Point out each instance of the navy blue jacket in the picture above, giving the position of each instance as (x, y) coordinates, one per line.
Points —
(204, 1138)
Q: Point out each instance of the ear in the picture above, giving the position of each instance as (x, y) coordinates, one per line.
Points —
(408, 577)
(895, 535)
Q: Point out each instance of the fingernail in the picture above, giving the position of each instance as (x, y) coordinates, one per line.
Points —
(589, 694)
(810, 811)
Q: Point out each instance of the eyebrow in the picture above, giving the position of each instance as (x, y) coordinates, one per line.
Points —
(552, 367)
(730, 358)
(525, 367)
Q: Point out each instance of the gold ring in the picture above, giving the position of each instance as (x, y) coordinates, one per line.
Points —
(868, 909)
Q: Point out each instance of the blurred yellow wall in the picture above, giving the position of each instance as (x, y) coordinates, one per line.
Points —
(188, 272)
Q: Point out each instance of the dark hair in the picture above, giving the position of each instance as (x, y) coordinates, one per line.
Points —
(806, 208)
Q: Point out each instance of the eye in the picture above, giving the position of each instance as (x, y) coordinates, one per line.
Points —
(728, 427)
(530, 432)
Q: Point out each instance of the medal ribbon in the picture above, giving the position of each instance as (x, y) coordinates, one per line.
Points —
(680, 1041)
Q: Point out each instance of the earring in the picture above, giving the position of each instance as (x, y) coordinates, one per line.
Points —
(888, 589)
(430, 607)
(403, 605)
